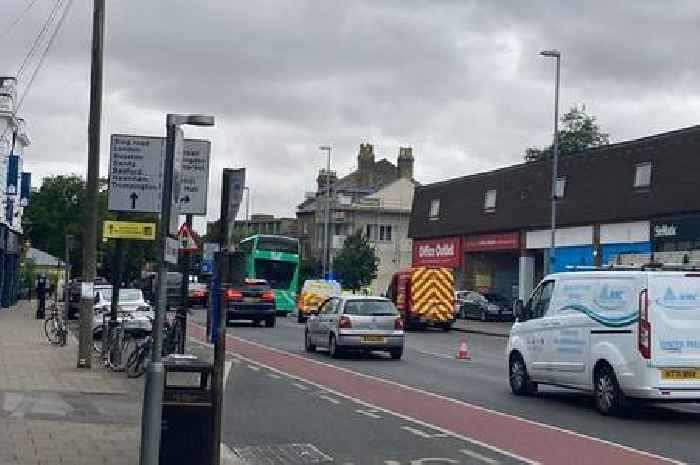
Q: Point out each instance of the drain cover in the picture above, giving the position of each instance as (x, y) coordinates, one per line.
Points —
(282, 454)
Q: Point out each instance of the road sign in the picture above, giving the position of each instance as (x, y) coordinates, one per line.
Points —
(171, 246)
(194, 177)
(208, 251)
(234, 182)
(129, 230)
(186, 239)
(135, 173)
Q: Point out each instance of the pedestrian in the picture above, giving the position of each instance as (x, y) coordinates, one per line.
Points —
(41, 295)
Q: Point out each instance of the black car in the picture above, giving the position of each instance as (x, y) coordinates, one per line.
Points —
(487, 306)
(255, 301)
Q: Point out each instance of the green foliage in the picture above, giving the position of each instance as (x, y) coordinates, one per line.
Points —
(356, 264)
(579, 132)
(27, 273)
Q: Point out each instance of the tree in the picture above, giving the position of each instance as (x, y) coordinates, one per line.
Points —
(579, 132)
(356, 264)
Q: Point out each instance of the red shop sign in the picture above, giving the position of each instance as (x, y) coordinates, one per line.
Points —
(486, 242)
(444, 252)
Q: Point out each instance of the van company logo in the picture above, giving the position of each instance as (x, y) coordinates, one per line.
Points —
(665, 230)
(611, 297)
(678, 300)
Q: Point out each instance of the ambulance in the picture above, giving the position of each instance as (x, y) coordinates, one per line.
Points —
(624, 336)
(424, 296)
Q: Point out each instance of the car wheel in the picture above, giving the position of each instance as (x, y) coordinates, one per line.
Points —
(301, 318)
(446, 327)
(609, 399)
(270, 323)
(307, 343)
(519, 379)
(484, 316)
(333, 348)
(396, 354)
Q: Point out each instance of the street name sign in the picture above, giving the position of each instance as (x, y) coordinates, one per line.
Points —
(129, 230)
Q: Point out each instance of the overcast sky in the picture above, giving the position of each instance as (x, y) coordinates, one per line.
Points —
(461, 82)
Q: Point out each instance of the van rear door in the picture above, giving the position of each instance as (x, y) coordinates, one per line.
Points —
(674, 317)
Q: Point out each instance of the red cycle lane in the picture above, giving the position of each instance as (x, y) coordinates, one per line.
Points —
(524, 438)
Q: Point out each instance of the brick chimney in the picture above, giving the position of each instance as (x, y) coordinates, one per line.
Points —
(405, 162)
(365, 165)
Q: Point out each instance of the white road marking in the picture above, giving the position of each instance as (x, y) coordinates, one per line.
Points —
(253, 367)
(368, 413)
(274, 376)
(422, 433)
(227, 371)
(478, 456)
(455, 401)
(436, 354)
(300, 386)
(330, 399)
(236, 360)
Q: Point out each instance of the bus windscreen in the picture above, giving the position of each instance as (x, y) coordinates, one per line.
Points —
(278, 273)
(278, 244)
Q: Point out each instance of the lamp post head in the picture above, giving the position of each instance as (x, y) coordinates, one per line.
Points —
(551, 53)
(324, 147)
(191, 120)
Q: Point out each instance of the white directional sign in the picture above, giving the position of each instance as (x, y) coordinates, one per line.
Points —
(171, 246)
(135, 173)
(136, 167)
(194, 177)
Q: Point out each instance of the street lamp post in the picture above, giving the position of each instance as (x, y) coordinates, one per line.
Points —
(555, 158)
(247, 210)
(327, 262)
(153, 391)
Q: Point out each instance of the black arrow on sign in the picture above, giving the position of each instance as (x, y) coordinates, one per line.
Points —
(133, 198)
(185, 199)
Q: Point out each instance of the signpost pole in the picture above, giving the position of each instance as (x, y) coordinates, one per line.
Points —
(116, 285)
(186, 264)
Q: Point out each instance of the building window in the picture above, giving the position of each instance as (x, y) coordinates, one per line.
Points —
(490, 201)
(434, 209)
(561, 187)
(642, 175)
(385, 232)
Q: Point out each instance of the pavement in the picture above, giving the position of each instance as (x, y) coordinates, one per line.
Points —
(370, 409)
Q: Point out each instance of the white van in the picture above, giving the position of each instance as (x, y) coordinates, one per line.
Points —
(619, 334)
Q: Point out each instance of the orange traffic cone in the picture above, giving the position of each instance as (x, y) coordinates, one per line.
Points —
(463, 352)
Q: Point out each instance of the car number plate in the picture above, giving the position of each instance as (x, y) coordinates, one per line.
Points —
(372, 338)
(251, 299)
(681, 373)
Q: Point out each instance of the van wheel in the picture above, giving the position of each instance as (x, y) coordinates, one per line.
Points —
(609, 399)
(519, 379)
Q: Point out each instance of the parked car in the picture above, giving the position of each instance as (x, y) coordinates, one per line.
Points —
(255, 301)
(460, 298)
(133, 310)
(198, 295)
(355, 323)
(619, 334)
(75, 290)
(487, 306)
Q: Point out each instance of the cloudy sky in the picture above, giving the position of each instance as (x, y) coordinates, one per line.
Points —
(460, 81)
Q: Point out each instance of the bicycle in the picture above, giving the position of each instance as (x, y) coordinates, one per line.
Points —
(55, 327)
(139, 358)
(122, 343)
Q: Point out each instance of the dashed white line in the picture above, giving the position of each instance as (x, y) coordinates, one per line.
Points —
(254, 368)
(274, 376)
(422, 433)
(300, 386)
(330, 399)
(368, 413)
(478, 456)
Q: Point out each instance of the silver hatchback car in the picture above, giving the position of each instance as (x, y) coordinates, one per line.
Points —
(355, 323)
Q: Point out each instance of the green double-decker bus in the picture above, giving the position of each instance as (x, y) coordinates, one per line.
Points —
(275, 259)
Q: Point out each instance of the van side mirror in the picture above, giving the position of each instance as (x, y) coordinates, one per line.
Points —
(519, 309)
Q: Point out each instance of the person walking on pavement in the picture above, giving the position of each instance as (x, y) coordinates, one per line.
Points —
(41, 296)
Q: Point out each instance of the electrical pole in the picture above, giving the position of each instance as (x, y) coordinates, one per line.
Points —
(186, 265)
(90, 220)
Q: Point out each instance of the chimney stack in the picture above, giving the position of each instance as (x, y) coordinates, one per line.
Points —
(405, 162)
(365, 165)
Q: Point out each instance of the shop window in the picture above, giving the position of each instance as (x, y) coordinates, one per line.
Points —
(561, 187)
(642, 175)
(434, 209)
(490, 201)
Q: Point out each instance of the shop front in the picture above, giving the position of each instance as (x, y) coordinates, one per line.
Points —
(676, 234)
(491, 263)
(441, 252)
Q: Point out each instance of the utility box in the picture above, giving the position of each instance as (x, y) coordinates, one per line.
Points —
(186, 429)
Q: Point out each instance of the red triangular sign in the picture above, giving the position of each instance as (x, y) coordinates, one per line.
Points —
(186, 239)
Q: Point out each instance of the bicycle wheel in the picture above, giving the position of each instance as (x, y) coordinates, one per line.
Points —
(117, 356)
(97, 341)
(136, 364)
(51, 330)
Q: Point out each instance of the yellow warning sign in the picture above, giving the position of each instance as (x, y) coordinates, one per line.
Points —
(129, 230)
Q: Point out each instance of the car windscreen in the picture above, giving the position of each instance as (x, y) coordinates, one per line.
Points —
(278, 274)
(129, 295)
(370, 308)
